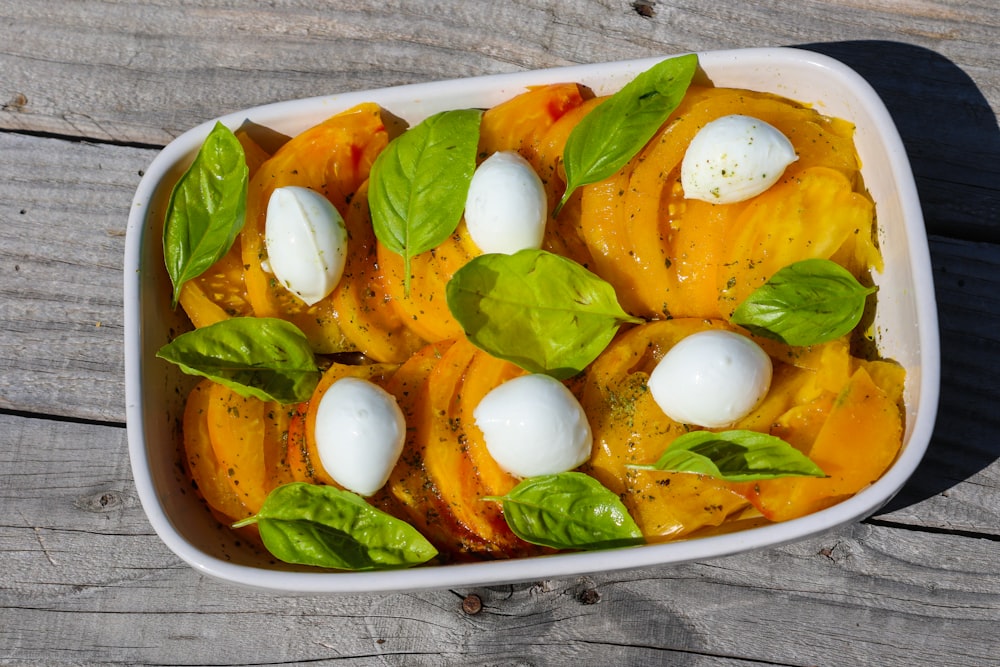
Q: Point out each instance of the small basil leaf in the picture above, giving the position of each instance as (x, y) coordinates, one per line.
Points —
(206, 208)
(806, 303)
(541, 311)
(419, 183)
(735, 456)
(262, 357)
(569, 510)
(611, 134)
(309, 524)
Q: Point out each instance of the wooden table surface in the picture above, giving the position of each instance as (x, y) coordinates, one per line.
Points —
(92, 89)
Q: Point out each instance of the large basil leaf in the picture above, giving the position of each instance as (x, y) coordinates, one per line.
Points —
(541, 311)
(735, 456)
(610, 135)
(569, 510)
(206, 208)
(309, 524)
(263, 357)
(419, 183)
(806, 303)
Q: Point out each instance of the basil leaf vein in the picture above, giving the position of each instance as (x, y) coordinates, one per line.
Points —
(806, 303)
(309, 524)
(419, 183)
(206, 209)
(260, 357)
(539, 310)
(611, 134)
(569, 510)
(735, 456)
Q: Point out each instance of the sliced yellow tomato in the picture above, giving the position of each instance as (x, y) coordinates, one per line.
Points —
(300, 463)
(409, 483)
(236, 427)
(537, 124)
(377, 373)
(219, 293)
(856, 443)
(534, 124)
(361, 299)
(334, 159)
(210, 479)
(671, 505)
(811, 214)
(424, 308)
(456, 458)
(627, 424)
(668, 256)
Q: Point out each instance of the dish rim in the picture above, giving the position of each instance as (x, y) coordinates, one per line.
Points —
(455, 91)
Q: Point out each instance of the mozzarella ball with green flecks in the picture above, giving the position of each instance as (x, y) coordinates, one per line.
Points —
(734, 158)
(533, 425)
(306, 242)
(360, 432)
(711, 378)
(506, 207)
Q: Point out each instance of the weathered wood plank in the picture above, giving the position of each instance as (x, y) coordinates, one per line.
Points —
(168, 66)
(63, 210)
(954, 487)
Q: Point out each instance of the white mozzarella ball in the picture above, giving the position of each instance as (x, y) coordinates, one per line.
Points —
(306, 242)
(711, 379)
(533, 425)
(360, 431)
(734, 158)
(506, 208)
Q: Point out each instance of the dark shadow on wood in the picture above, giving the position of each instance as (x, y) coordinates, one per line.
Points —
(949, 130)
(953, 142)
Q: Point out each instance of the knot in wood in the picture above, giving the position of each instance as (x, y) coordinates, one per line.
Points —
(105, 501)
(644, 8)
(472, 604)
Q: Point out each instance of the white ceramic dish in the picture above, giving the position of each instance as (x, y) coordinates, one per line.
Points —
(155, 391)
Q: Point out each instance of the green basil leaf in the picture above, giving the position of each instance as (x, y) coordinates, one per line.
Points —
(541, 311)
(806, 303)
(735, 456)
(611, 135)
(569, 510)
(419, 183)
(206, 208)
(262, 357)
(309, 524)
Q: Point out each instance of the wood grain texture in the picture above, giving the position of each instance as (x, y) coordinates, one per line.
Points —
(63, 209)
(90, 89)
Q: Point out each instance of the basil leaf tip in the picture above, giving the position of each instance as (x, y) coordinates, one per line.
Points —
(206, 209)
(808, 302)
(536, 309)
(734, 456)
(323, 526)
(260, 357)
(419, 183)
(609, 136)
(569, 510)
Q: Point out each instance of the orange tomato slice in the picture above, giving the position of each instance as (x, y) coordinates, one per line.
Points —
(377, 373)
(333, 158)
(856, 443)
(209, 477)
